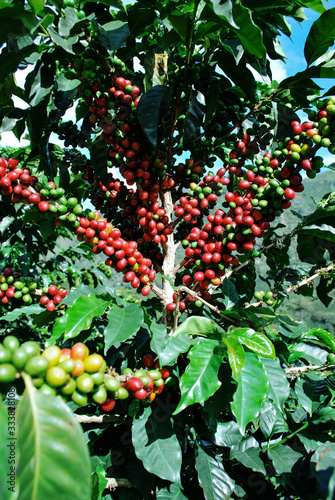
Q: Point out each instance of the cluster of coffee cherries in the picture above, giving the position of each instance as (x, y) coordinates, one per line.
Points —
(17, 182)
(14, 286)
(260, 194)
(75, 374)
(266, 297)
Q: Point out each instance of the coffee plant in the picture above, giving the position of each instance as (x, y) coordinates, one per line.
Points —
(143, 353)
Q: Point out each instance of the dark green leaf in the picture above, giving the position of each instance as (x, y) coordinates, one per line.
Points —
(252, 389)
(193, 120)
(283, 458)
(271, 420)
(51, 448)
(156, 445)
(174, 347)
(321, 36)
(113, 34)
(37, 5)
(66, 43)
(231, 297)
(249, 33)
(98, 151)
(20, 311)
(173, 492)
(227, 434)
(181, 23)
(249, 458)
(307, 389)
(212, 476)
(200, 379)
(279, 388)
(323, 460)
(149, 111)
(9, 62)
(124, 322)
(224, 10)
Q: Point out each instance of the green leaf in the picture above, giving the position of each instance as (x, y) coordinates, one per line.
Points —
(52, 449)
(271, 420)
(173, 492)
(249, 458)
(167, 278)
(231, 297)
(252, 389)
(66, 43)
(283, 458)
(224, 10)
(174, 347)
(181, 23)
(323, 231)
(279, 387)
(255, 341)
(321, 36)
(113, 34)
(82, 313)
(156, 445)
(227, 434)
(249, 33)
(5, 223)
(199, 325)
(10, 61)
(323, 460)
(200, 379)
(37, 5)
(326, 338)
(98, 152)
(307, 389)
(7, 464)
(212, 476)
(20, 311)
(193, 120)
(150, 109)
(123, 323)
(236, 356)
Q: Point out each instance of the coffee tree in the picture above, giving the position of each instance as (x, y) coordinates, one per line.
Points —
(139, 356)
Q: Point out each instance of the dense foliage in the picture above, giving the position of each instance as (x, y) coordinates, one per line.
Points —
(146, 357)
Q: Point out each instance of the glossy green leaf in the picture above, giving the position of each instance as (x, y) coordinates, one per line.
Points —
(224, 10)
(249, 458)
(65, 43)
(325, 337)
(21, 311)
(255, 341)
(9, 62)
(156, 445)
(271, 420)
(172, 492)
(7, 463)
(252, 389)
(231, 297)
(283, 458)
(150, 109)
(321, 36)
(279, 387)
(236, 357)
(174, 347)
(227, 434)
(123, 323)
(249, 33)
(212, 476)
(309, 392)
(199, 325)
(37, 5)
(323, 231)
(82, 313)
(200, 379)
(52, 449)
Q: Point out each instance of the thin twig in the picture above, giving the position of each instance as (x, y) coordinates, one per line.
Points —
(194, 294)
(102, 419)
(297, 370)
(117, 482)
(305, 281)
